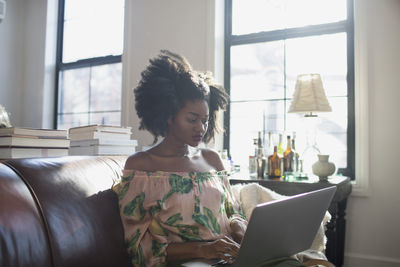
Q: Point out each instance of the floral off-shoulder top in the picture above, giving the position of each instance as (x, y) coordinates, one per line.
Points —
(158, 208)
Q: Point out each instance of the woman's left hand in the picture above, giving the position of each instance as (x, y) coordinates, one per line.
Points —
(238, 228)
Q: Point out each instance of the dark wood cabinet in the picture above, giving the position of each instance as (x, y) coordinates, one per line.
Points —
(336, 228)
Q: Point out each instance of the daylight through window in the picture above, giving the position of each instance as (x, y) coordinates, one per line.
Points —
(268, 44)
(90, 43)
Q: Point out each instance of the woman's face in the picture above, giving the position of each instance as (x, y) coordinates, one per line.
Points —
(190, 123)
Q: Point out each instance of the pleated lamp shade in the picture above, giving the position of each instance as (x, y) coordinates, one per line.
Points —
(309, 95)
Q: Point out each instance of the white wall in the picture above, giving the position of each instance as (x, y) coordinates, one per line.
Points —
(373, 222)
(25, 90)
(180, 26)
(35, 63)
(185, 26)
(12, 36)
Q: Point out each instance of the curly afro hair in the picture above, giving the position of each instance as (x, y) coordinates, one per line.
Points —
(165, 87)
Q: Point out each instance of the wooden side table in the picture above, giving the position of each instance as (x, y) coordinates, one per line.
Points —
(336, 228)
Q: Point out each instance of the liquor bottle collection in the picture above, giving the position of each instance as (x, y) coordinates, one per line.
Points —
(270, 160)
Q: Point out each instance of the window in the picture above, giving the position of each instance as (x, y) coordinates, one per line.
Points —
(269, 43)
(89, 68)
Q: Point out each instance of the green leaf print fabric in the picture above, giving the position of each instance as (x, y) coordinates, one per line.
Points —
(159, 208)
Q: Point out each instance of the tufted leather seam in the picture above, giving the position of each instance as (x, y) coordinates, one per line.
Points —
(38, 206)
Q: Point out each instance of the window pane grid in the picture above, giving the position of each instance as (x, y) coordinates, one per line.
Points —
(89, 64)
(90, 91)
(87, 34)
(264, 64)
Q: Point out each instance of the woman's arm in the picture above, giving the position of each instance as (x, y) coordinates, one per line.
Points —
(238, 224)
(224, 248)
(238, 228)
(213, 159)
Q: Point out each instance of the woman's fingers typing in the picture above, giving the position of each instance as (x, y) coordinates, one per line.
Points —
(224, 248)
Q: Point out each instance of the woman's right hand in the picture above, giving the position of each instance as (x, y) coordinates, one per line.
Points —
(225, 248)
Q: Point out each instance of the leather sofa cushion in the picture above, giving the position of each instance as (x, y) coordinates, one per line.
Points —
(80, 210)
(23, 237)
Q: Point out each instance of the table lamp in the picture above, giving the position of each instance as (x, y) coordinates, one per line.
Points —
(309, 98)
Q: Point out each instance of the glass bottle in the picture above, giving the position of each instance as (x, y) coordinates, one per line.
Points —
(259, 142)
(296, 158)
(280, 146)
(255, 143)
(288, 157)
(269, 149)
(260, 159)
(253, 160)
(274, 164)
(252, 167)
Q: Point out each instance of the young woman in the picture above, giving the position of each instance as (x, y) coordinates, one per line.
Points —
(175, 199)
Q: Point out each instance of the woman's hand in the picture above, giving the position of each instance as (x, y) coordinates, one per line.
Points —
(238, 228)
(224, 248)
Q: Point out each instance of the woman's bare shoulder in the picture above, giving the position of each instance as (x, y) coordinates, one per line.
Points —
(138, 161)
(212, 157)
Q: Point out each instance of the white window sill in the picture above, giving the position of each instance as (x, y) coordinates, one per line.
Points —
(361, 186)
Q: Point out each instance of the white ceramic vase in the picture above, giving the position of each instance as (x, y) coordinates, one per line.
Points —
(323, 168)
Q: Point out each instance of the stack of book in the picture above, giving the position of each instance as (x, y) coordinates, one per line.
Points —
(101, 140)
(16, 142)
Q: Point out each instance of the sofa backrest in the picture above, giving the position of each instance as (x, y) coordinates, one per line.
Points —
(61, 212)
(23, 238)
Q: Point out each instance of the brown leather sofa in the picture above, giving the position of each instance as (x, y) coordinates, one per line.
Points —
(60, 212)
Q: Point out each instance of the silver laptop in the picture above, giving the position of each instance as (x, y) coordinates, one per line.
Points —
(281, 228)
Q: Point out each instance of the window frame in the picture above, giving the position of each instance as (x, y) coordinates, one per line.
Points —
(346, 26)
(83, 63)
